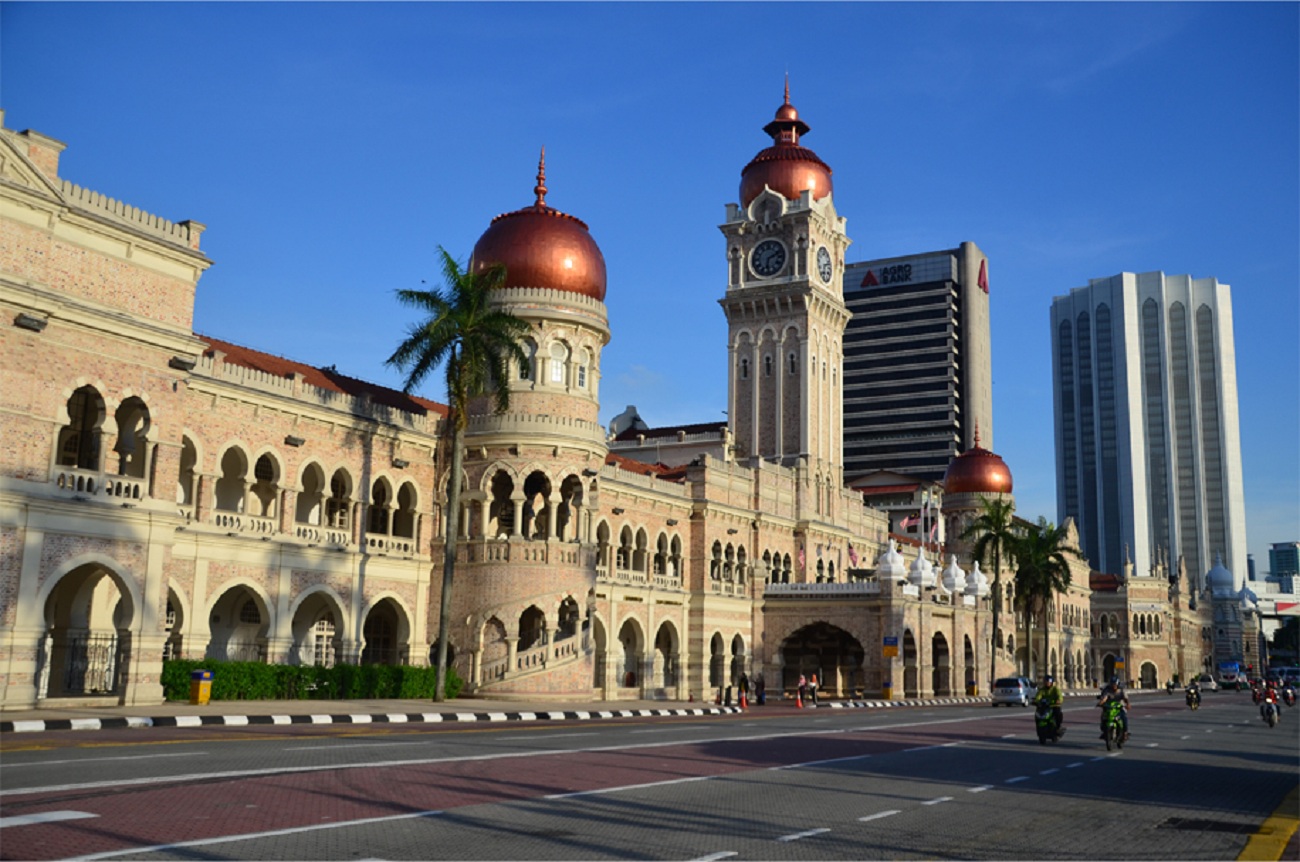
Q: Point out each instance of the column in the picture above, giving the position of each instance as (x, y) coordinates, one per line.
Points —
(550, 518)
(754, 406)
(517, 528)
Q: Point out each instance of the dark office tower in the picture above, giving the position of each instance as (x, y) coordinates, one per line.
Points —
(917, 375)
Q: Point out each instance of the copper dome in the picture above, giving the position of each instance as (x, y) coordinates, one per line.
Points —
(543, 247)
(785, 167)
(977, 471)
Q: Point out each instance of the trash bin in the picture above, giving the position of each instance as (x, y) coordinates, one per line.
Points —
(972, 689)
(200, 687)
(887, 690)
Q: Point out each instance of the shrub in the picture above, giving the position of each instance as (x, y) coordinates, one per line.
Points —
(249, 680)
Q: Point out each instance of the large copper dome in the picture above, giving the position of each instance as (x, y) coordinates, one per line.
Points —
(543, 247)
(977, 471)
(786, 167)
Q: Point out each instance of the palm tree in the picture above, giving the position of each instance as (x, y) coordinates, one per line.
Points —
(1042, 571)
(479, 344)
(993, 534)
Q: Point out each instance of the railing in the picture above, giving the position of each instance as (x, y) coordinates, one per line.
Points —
(236, 522)
(90, 664)
(853, 588)
(313, 535)
(541, 552)
(377, 543)
(728, 588)
(93, 483)
(237, 651)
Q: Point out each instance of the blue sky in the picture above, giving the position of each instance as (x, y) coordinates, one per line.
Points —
(330, 148)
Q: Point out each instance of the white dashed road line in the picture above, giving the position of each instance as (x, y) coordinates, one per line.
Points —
(714, 857)
(979, 789)
(1048, 771)
(1017, 778)
(937, 801)
(43, 817)
(1074, 765)
(878, 815)
(796, 836)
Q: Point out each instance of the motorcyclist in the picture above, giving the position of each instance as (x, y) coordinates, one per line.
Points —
(1050, 694)
(1269, 696)
(1113, 692)
(1194, 691)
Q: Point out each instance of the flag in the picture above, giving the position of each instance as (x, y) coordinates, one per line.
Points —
(853, 556)
(983, 280)
(934, 531)
(908, 523)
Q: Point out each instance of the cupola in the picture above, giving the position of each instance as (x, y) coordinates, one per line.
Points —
(785, 167)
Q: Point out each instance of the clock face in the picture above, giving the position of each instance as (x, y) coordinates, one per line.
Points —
(824, 264)
(768, 258)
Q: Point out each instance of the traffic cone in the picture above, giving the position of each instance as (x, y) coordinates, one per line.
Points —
(744, 701)
(798, 700)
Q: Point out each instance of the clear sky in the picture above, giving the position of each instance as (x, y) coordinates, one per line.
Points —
(330, 148)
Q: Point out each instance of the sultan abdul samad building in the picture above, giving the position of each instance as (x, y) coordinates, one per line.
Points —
(166, 493)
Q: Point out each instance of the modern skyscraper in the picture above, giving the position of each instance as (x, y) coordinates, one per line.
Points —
(917, 367)
(1148, 451)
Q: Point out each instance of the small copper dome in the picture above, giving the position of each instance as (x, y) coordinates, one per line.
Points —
(543, 247)
(977, 471)
(785, 167)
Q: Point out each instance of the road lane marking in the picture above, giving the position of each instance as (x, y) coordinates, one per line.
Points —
(655, 730)
(1008, 735)
(1017, 778)
(628, 787)
(429, 761)
(818, 762)
(878, 815)
(937, 801)
(1152, 744)
(537, 736)
(88, 761)
(43, 817)
(714, 857)
(1184, 737)
(350, 746)
(1048, 771)
(254, 836)
(796, 836)
(1114, 754)
(1077, 763)
(1099, 757)
(979, 789)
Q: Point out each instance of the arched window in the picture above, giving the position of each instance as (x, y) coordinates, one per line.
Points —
(380, 504)
(266, 491)
(559, 360)
(580, 364)
(744, 368)
(767, 365)
(336, 507)
(79, 439)
(530, 356)
(132, 443)
(793, 361)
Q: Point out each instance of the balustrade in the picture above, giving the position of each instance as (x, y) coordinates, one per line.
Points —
(853, 588)
(378, 543)
(94, 483)
(322, 535)
(237, 522)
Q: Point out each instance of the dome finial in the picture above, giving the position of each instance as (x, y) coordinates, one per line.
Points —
(977, 433)
(787, 88)
(540, 188)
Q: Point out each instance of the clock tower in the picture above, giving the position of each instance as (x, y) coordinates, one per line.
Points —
(785, 308)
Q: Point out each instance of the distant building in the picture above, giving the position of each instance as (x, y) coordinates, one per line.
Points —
(1284, 564)
(1148, 450)
(917, 367)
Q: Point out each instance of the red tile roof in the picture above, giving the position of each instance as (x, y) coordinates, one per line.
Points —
(1102, 582)
(659, 471)
(322, 378)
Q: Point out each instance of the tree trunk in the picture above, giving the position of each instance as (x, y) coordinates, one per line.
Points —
(449, 554)
(997, 605)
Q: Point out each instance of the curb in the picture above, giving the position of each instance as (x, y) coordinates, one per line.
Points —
(36, 726)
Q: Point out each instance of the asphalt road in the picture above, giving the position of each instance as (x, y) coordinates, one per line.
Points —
(957, 782)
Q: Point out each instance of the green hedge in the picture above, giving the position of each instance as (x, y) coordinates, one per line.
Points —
(250, 680)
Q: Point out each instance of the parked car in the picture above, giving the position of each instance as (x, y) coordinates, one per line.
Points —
(1207, 683)
(1012, 690)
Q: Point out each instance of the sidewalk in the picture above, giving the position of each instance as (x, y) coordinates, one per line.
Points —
(275, 712)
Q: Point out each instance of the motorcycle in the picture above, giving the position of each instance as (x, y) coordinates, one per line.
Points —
(1046, 724)
(1112, 724)
(1193, 698)
(1269, 713)
(1256, 695)
(1288, 696)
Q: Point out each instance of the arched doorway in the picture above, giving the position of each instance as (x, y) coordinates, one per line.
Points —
(828, 651)
(1148, 675)
(941, 673)
(88, 618)
(632, 640)
(910, 670)
(717, 660)
(385, 633)
(664, 670)
(238, 625)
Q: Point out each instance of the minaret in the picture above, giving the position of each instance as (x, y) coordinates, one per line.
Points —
(785, 307)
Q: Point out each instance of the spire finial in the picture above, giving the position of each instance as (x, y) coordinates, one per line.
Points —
(787, 88)
(540, 188)
(977, 433)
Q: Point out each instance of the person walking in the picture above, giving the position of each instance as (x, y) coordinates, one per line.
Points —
(803, 688)
(812, 690)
